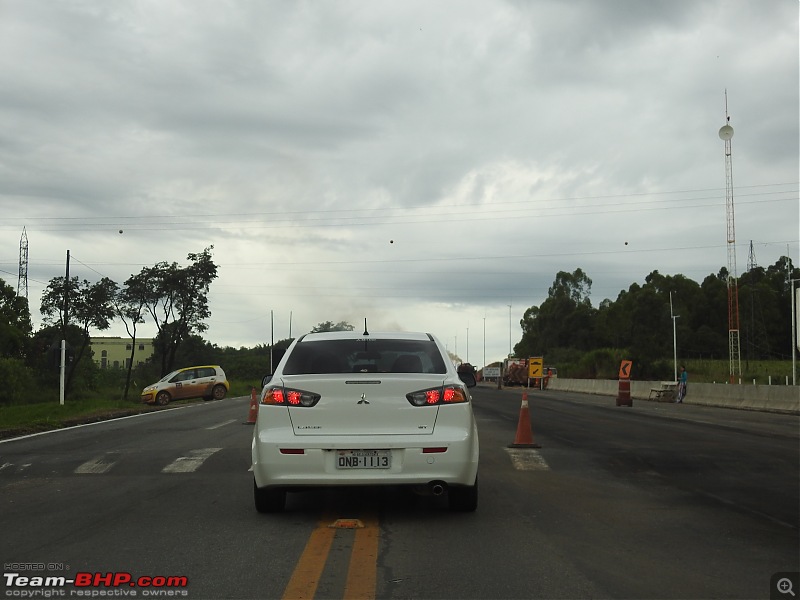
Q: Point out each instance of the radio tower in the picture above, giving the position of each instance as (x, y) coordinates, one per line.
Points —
(734, 349)
(22, 279)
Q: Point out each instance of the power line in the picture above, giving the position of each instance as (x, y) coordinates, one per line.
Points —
(406, 215)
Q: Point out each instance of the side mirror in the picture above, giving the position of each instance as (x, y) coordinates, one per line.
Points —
(266, 380)
(468, 379)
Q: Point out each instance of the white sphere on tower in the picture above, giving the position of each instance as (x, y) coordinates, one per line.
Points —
(725, 132)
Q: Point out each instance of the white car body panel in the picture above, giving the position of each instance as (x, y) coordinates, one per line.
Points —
(383, 419)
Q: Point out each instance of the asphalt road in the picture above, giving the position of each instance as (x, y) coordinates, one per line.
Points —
(649, 501)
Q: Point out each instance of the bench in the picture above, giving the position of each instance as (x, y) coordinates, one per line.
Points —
(664, 393)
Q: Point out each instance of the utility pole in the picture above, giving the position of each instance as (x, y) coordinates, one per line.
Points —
(61, 377)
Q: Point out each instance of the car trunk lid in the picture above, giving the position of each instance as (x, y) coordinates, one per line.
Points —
(363, 404)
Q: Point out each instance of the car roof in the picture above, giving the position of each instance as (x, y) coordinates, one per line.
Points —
(372, 335)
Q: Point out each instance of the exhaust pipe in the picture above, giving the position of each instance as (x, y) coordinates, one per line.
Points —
(437, 488)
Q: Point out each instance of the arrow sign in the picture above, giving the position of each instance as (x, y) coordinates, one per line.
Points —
(625, 369)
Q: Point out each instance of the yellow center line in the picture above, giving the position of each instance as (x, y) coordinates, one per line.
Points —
(305, 579)
(362, 570)
(362, 573)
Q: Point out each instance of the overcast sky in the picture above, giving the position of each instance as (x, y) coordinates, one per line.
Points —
(426, 165)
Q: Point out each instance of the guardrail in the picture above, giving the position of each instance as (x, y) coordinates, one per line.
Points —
(767, 398)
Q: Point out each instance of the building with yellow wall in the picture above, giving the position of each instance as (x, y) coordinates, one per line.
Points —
(115, 352)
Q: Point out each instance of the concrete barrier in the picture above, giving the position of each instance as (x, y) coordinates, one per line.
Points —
(768, 398)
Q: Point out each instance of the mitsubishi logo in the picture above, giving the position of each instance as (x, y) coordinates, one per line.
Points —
(363, 399)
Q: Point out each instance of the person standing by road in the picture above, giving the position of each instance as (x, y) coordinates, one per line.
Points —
(683, 379)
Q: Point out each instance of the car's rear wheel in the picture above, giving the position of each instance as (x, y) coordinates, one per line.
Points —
(463, 498)
(269, 500)
(219, 392)
(162, 398)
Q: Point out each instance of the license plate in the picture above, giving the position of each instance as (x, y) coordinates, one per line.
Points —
(363, 459)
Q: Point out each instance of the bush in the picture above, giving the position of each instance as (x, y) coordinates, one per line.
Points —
(18, 381)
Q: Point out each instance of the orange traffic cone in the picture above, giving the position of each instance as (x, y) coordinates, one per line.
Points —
(524, 438)
(251, 416)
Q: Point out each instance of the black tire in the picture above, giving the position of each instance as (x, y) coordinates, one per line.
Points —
(463, 498)
(219, 392)
(269, 500)
(163, 398)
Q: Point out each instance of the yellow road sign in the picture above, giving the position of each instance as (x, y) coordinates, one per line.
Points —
(535, 366)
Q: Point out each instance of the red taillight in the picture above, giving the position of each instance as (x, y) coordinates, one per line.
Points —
(278, 396)
(448, 395)
(432, 396)
(292, 451)
(273, 396)
(434, 450)
(453, 395)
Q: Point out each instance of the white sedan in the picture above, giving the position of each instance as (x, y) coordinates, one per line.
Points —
(345, 409)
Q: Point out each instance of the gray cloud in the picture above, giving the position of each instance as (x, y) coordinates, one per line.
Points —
(496, 143)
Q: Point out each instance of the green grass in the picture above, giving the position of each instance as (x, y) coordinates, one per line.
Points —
(37, 415)
(47, 415)
(717, 371)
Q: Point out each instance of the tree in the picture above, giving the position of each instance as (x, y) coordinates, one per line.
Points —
(177, 300)
(639, 321)
(329, 326)
(194, 350)
(15, 332)
(15, 322)
(564, 320)
(778, 308)
(714, 338)
(575, 286)
(130, 307)
(91, 306)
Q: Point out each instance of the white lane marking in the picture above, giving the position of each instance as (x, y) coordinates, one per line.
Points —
(218, 425)
(527, 459)
(6, 465)
(100, 464)
(187, 464)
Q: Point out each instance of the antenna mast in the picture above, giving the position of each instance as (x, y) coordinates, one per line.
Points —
(22, 279)
(734, 348)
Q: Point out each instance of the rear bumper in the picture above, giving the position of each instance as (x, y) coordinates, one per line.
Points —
(410, 465)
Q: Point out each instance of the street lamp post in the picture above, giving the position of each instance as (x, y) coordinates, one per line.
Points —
(509, 330)
(271, 338)
(794, 297)
(674, 338)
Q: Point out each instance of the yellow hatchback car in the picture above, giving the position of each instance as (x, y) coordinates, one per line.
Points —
(207, 382)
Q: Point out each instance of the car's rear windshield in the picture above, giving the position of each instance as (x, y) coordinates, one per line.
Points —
(365, 356)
